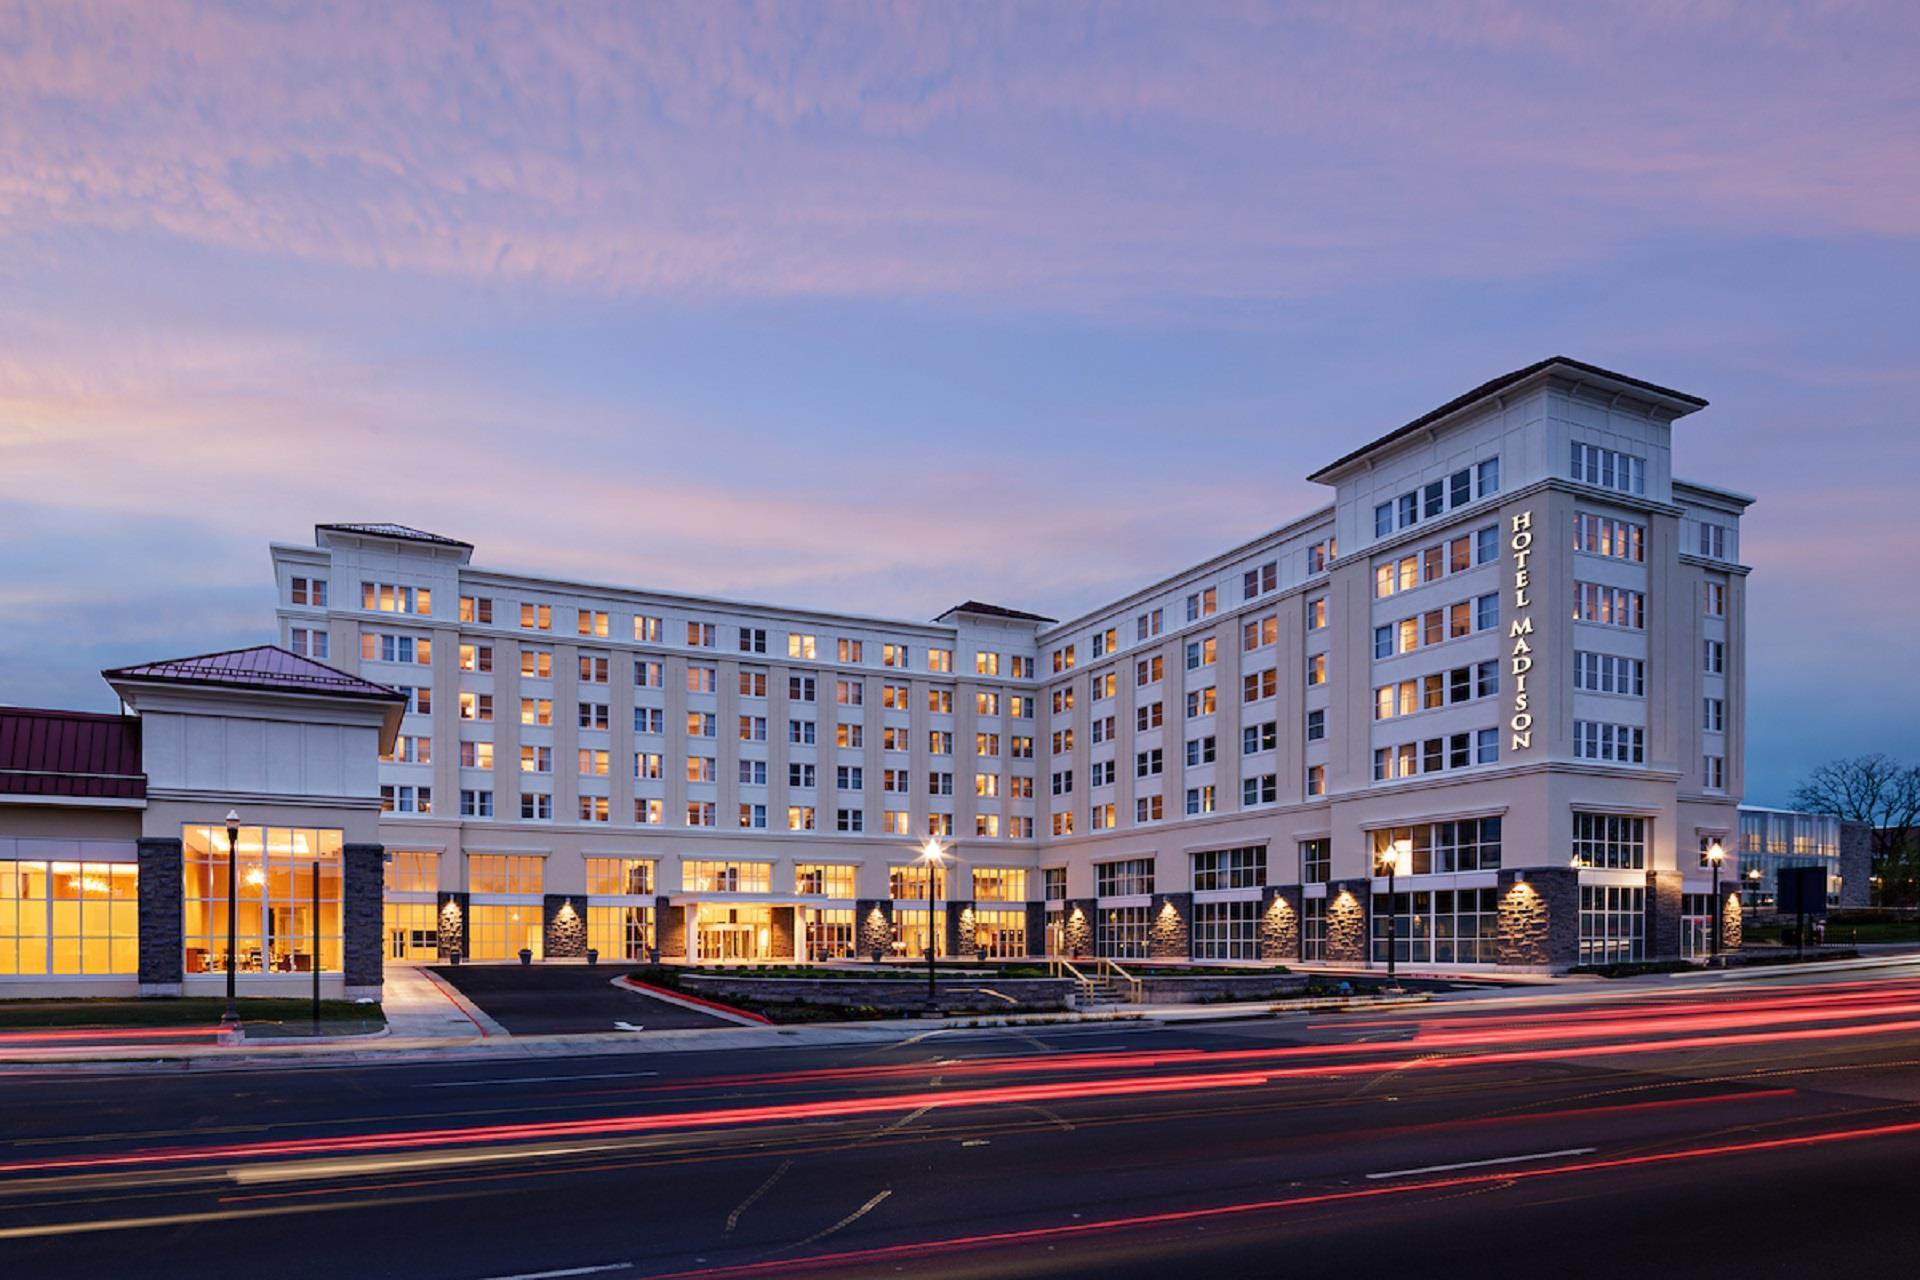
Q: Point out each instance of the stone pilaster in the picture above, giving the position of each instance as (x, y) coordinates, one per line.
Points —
(1280, 923)
(1856, 864)
(1169, 933)
(873, 927)
(1732, 920)
(161, 886)
(363, 953)
(1079, 941)
(1036, 928)
(1665, 928)
(961, 938)
(781, 938)
(563, 921)
(1539, 918)
(1347, 907)
(451, 919)
(671, 929)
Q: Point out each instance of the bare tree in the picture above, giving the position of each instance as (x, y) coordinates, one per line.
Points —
(1884, 794)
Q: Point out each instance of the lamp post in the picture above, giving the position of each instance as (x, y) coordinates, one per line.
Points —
(930, 854)
(1716, 854)
(230, 1020)
(1390, 859)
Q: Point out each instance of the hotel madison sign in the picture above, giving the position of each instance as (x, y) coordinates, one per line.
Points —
(1521, 631)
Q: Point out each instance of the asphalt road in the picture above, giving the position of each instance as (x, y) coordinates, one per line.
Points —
(558, 1000)
(1756, 1127)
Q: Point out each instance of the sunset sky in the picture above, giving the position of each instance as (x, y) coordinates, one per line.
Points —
(1059, 299)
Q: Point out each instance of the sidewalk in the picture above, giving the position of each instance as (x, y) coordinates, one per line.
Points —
(419, 1006)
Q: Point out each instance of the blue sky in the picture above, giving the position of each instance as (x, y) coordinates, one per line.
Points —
(627, 290)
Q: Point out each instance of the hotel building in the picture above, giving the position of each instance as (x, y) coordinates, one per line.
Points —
(1505, 662)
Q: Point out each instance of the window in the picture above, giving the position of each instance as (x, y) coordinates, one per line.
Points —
(1200, 653)
(1147, 764)
(1316, 860)
(1612, 841)
(593, 668)
(1609, 606)
(1614, 743)
(824, 879)
(310, 591)
(649, 720)
(1609, 469)
(1148, 624)
(385, 647)
(648, 674)
(592, 622)
(753, 639)
(986, 663)
(702, 679)
(1317, 613)
(1201, 604)
(1148, 809)
(1226, 930)
(593, 715)
(1200, 800)
(646, 628)
(593, 808)
(1612, 924)
(1714, 715)
(477, 707)
(1105, 642)
(473, 609)
(1316, 669)
(473, 755)
(1316, 779)
(986, 744)
(1609, 673)
(1322, 554)
(648, 811)
(849, 693)
(940, 742)
(1021, 667)
(1714, 599)
(1259, 632)
(1201, 702)
(593, 763)
(476, 657)
(310, 642)
(712, 876)
(1149, 715)
(536, 617)
(940, 660)
(1020, 748)
(1468, 844)
(406, 799)
(1259, 790)
(893, 655)
(1258, 685)
(80, 917)
(1063, 782)
(504, 873)
(1715, 657)
(536, 711)
(800, 774)
(700, 813)
(536, 806)
(534, 759)
(1599, 535)
(850, 651)
(800, 688)
(1713, 772)
(1063, 699)
(753, 773)
(987, 703)
(702, 635)
(1713, 540)
(1258, 581)
(83, 917)
(986, 784)
(384, 597)
(536, 663)
(800, 645)
(1132, 877)
(1148, 670)
(800, 817)
(1200, 751)
(1063, 659)
(1255, 738)
(1316, 725)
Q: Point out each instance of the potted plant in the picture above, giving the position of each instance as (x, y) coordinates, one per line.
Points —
(526, 955)
(593, 955)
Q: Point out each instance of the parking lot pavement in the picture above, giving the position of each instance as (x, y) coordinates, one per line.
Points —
(566, 1000)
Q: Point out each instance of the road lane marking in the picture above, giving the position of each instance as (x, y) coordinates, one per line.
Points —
(1479, 1164)
(474, 1084)
(733, 1219)
(185, 1219)
(847, 1221)
(566, 1271)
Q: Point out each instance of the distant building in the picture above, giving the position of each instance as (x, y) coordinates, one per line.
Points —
(1772, 839)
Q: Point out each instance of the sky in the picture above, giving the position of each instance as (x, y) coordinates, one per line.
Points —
(881, 307)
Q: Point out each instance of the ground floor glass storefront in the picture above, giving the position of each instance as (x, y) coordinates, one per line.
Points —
(726, 934)
(412, 931)
(1613, 924)
(1000, 934)
(276, 920)
(910, 930)
(1226, 930)
(69, 918)
(1120, 933)
(827, 932)
(501, 931)
(622, 931)
(1437, 926)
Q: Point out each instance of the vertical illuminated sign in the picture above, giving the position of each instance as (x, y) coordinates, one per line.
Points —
(1520, 539)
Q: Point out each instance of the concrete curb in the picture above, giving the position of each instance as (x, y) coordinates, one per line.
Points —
(740, 1017)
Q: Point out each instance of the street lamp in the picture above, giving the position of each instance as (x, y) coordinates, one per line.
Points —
(1390, 859)
(230, 1020)
(1716, 854)
(931, 855)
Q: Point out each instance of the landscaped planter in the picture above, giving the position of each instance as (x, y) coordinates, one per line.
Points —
(1222, 988)
(897, 994)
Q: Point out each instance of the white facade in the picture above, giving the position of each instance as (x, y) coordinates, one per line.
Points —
(1510, 611)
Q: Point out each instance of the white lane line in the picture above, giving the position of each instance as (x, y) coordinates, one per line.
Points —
(733, 1219)
(475, 1084)
(567, 1271)
(847, 1221)
(1478, 1164)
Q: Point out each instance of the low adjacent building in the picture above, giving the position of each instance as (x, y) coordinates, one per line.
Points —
(114, 848)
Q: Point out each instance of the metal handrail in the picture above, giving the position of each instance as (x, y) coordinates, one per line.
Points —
(1134, 991)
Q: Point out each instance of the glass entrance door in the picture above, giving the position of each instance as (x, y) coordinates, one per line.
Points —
(734, 934)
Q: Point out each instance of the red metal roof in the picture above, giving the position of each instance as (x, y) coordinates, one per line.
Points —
(263, 666)
(70, 754)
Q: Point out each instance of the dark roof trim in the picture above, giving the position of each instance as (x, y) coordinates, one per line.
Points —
(397, 532)
(996, 611)
(70, 755)
(264, 667)
(1501, 383)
